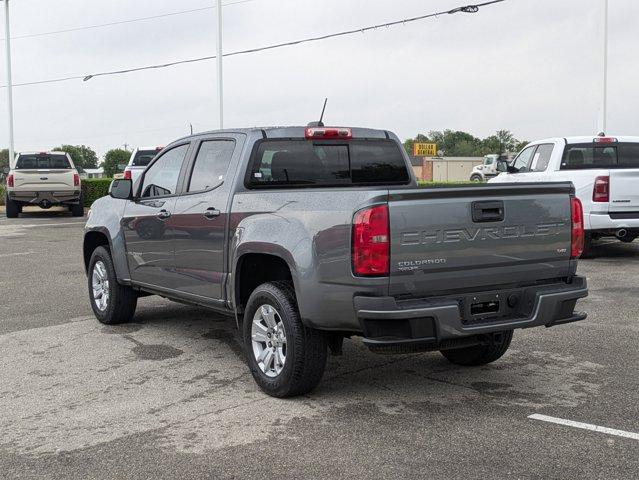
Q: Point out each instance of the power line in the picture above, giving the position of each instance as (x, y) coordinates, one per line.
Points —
(463, 9)
(122, 22)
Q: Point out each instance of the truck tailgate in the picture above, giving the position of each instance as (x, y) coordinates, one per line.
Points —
(624, 195)
(469, 237)
(44, 180)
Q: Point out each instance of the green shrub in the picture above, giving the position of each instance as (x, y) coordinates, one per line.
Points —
(1, 195)
(94, 188)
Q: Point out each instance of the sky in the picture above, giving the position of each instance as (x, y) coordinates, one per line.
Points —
(530, 66)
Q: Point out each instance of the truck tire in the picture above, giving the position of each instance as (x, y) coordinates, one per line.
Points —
(587, 251)
(480, 354)
(13, 209)
(77, 210)
(476, 178)
(285, 357)
(111, 302)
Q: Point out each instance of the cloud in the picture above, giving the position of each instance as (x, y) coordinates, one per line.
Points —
(531, 66)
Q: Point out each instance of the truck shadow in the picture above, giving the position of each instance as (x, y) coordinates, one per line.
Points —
(613, 249)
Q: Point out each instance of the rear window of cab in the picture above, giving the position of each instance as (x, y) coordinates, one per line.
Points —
(585, 156)
(320, 163)
(42, 162)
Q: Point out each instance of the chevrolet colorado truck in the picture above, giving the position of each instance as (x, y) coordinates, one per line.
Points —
(309, 235)
(604, 170)
(43, 179)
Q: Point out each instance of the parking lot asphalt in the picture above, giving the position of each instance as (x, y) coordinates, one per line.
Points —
(169, 395)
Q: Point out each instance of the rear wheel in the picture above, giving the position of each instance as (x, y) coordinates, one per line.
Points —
(111, 302)
(77, 210)
(481, 354)
(286, 358)
(13, 209)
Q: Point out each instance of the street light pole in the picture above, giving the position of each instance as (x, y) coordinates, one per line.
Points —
(7, 43)
(220, 95)
(604, 73)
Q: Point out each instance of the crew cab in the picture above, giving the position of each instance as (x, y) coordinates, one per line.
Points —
(309, 235)
(140, 159)
(604, 170)
(43, 179)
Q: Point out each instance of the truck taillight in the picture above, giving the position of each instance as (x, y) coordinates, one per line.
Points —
(10, 180)
(127, 174)
(371, 242)
(601, 189)
(577, 233)
(76, 180)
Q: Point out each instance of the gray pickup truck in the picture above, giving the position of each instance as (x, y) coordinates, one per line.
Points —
(309, 235)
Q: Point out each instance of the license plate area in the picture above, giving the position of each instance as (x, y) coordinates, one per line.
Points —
(491, 306)
(484, 308)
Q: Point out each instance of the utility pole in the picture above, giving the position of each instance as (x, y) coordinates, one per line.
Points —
(220, 95)
(7, 43)
(604, 72)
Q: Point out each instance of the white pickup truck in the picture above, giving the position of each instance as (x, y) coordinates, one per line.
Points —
(43, 179)
(140, 158)
(604, 170)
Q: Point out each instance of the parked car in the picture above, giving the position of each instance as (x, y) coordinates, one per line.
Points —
(488, 169)
(140, 159)
(604, 170)
(44, 179)
(310, 235)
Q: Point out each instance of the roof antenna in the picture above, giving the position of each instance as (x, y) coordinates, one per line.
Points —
(320, 123)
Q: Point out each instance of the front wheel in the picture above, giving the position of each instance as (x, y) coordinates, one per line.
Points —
(111, 302)
(286, 358)
(477, 355)
(476, 178)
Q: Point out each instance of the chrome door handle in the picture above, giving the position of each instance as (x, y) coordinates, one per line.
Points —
(211, 213)
(164, 214)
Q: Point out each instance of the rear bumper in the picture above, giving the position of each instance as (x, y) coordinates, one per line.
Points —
(385, 322)
(45, 197)
(613, 220)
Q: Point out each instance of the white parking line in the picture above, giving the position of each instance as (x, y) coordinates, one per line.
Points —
(585, 426)
(34, 225)
(15, 254)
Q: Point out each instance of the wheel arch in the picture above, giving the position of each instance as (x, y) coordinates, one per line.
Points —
(251, 269)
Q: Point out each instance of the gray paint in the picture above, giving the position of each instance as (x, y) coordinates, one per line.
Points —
(195, 260)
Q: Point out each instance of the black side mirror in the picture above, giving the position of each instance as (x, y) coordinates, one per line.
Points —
(502, 166)
(5, 170)
(121, 188)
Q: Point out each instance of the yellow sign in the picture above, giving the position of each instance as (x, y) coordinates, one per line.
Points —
(425, 149)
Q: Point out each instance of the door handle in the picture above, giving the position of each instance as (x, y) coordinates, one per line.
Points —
(164, 214)
(211, 212)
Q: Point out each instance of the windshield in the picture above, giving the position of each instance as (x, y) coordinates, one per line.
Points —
(42, 161)
(327, 163)
(143, 157)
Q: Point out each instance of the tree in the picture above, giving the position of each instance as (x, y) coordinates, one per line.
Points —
(4, 159)
(82, 156)
(113, 158)
(456, 143)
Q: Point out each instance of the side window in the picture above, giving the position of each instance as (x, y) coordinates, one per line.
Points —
(541, 158)
(629, 156)
(211, 163)
(162, 177)
(523, 159)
